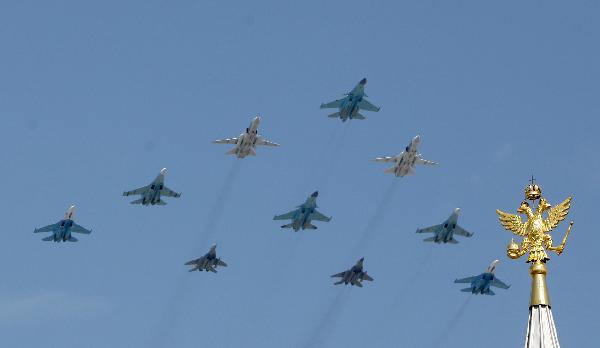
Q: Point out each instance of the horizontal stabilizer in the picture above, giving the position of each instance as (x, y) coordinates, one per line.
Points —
(358, 116)
(390, 170)
(334, 115)
(467, 290)
(357, 283)
(338, 283)
(430, 239)
(310, 227)
(221, 263)
(287, 226)
(490, 292)
(138, 201)
(161, 202)
(453, 241)
(48, 239)
(72, 239)
(232, 151)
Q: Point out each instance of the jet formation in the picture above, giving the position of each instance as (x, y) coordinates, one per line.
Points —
(246, 143)
(61, 231)
(353, 276)
(304, 214)
(404, 163)
(480, 284)
(151, 194)
(208, 263)
(444, 232)
(351, 104)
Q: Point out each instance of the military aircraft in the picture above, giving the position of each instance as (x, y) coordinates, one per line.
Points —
(444, 232)
(480, 284)
(305, 213)
(61, 231)
(351, 104)
(246, 143)
(152, 193)
(208, 262)
(354, 275)
(405, 162)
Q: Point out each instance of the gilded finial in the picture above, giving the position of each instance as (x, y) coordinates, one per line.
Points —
(536, 238)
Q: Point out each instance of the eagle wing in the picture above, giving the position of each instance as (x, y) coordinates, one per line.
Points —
(557, 214)
(512, 222)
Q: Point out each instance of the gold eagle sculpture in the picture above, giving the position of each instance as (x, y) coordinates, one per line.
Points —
(535, 230)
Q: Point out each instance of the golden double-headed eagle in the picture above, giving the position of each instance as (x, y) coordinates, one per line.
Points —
(535, 230)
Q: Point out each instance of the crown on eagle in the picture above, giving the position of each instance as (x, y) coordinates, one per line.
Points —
(533, 192)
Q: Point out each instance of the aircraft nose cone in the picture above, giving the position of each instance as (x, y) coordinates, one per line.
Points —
(417, 139)
(363, 81)
(361, 259)
(315, 194)
(163, 171)
(457, 210)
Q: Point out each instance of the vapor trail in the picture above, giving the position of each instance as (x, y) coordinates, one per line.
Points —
(446, 331)
(325, 323)
(334, 146)
(172, 311)
(374, 220)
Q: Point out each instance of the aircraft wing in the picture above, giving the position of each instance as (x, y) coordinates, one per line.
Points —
(333, 104)
(168, 192)
(341, 275)
(430, 229)
(320, 217)
(262, 141)
(366, 105)
(499, 284)
(367, 277)
(424, 161)
(221, 263)
(137, 191)
(193, 262)
(49, 228)
(462, 232)
(286, 216)
(78, 229)
(226, 141)
(385, 159)
(466, 280)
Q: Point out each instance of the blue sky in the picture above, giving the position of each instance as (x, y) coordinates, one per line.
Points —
(97, 97)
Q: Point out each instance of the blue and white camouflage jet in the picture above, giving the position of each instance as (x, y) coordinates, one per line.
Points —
(480, 284)
(246, 143)
(444, 232)
(152, 193)
(209, 262)
(351, 104)
(405, 162)
(304, 214)
(353, 276)
(61, 231)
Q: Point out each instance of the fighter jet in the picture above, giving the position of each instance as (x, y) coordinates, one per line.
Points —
(351, 104)
(354, 275)
(480, 284)
(246, 143)
(305, 213)
(152, 193)
(208, 262)
(444, 232)
(61, 231)
(405, 162)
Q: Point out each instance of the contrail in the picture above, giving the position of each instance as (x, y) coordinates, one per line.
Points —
(324, 325)
(446, 331)
(335, 144)
(375, 220)
(172, 311)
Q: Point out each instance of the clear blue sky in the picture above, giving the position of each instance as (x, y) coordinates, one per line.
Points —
(97, 97)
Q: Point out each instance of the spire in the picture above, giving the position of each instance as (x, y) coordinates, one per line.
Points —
(541, 331)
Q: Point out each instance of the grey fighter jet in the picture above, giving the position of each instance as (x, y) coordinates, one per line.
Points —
(480, 284)
(61, 231)
(354, 275)
(208, 262)
(351, 104)
(152, 193)
(246, 143)
(444, 232)
(405, 162)
(304, 214)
